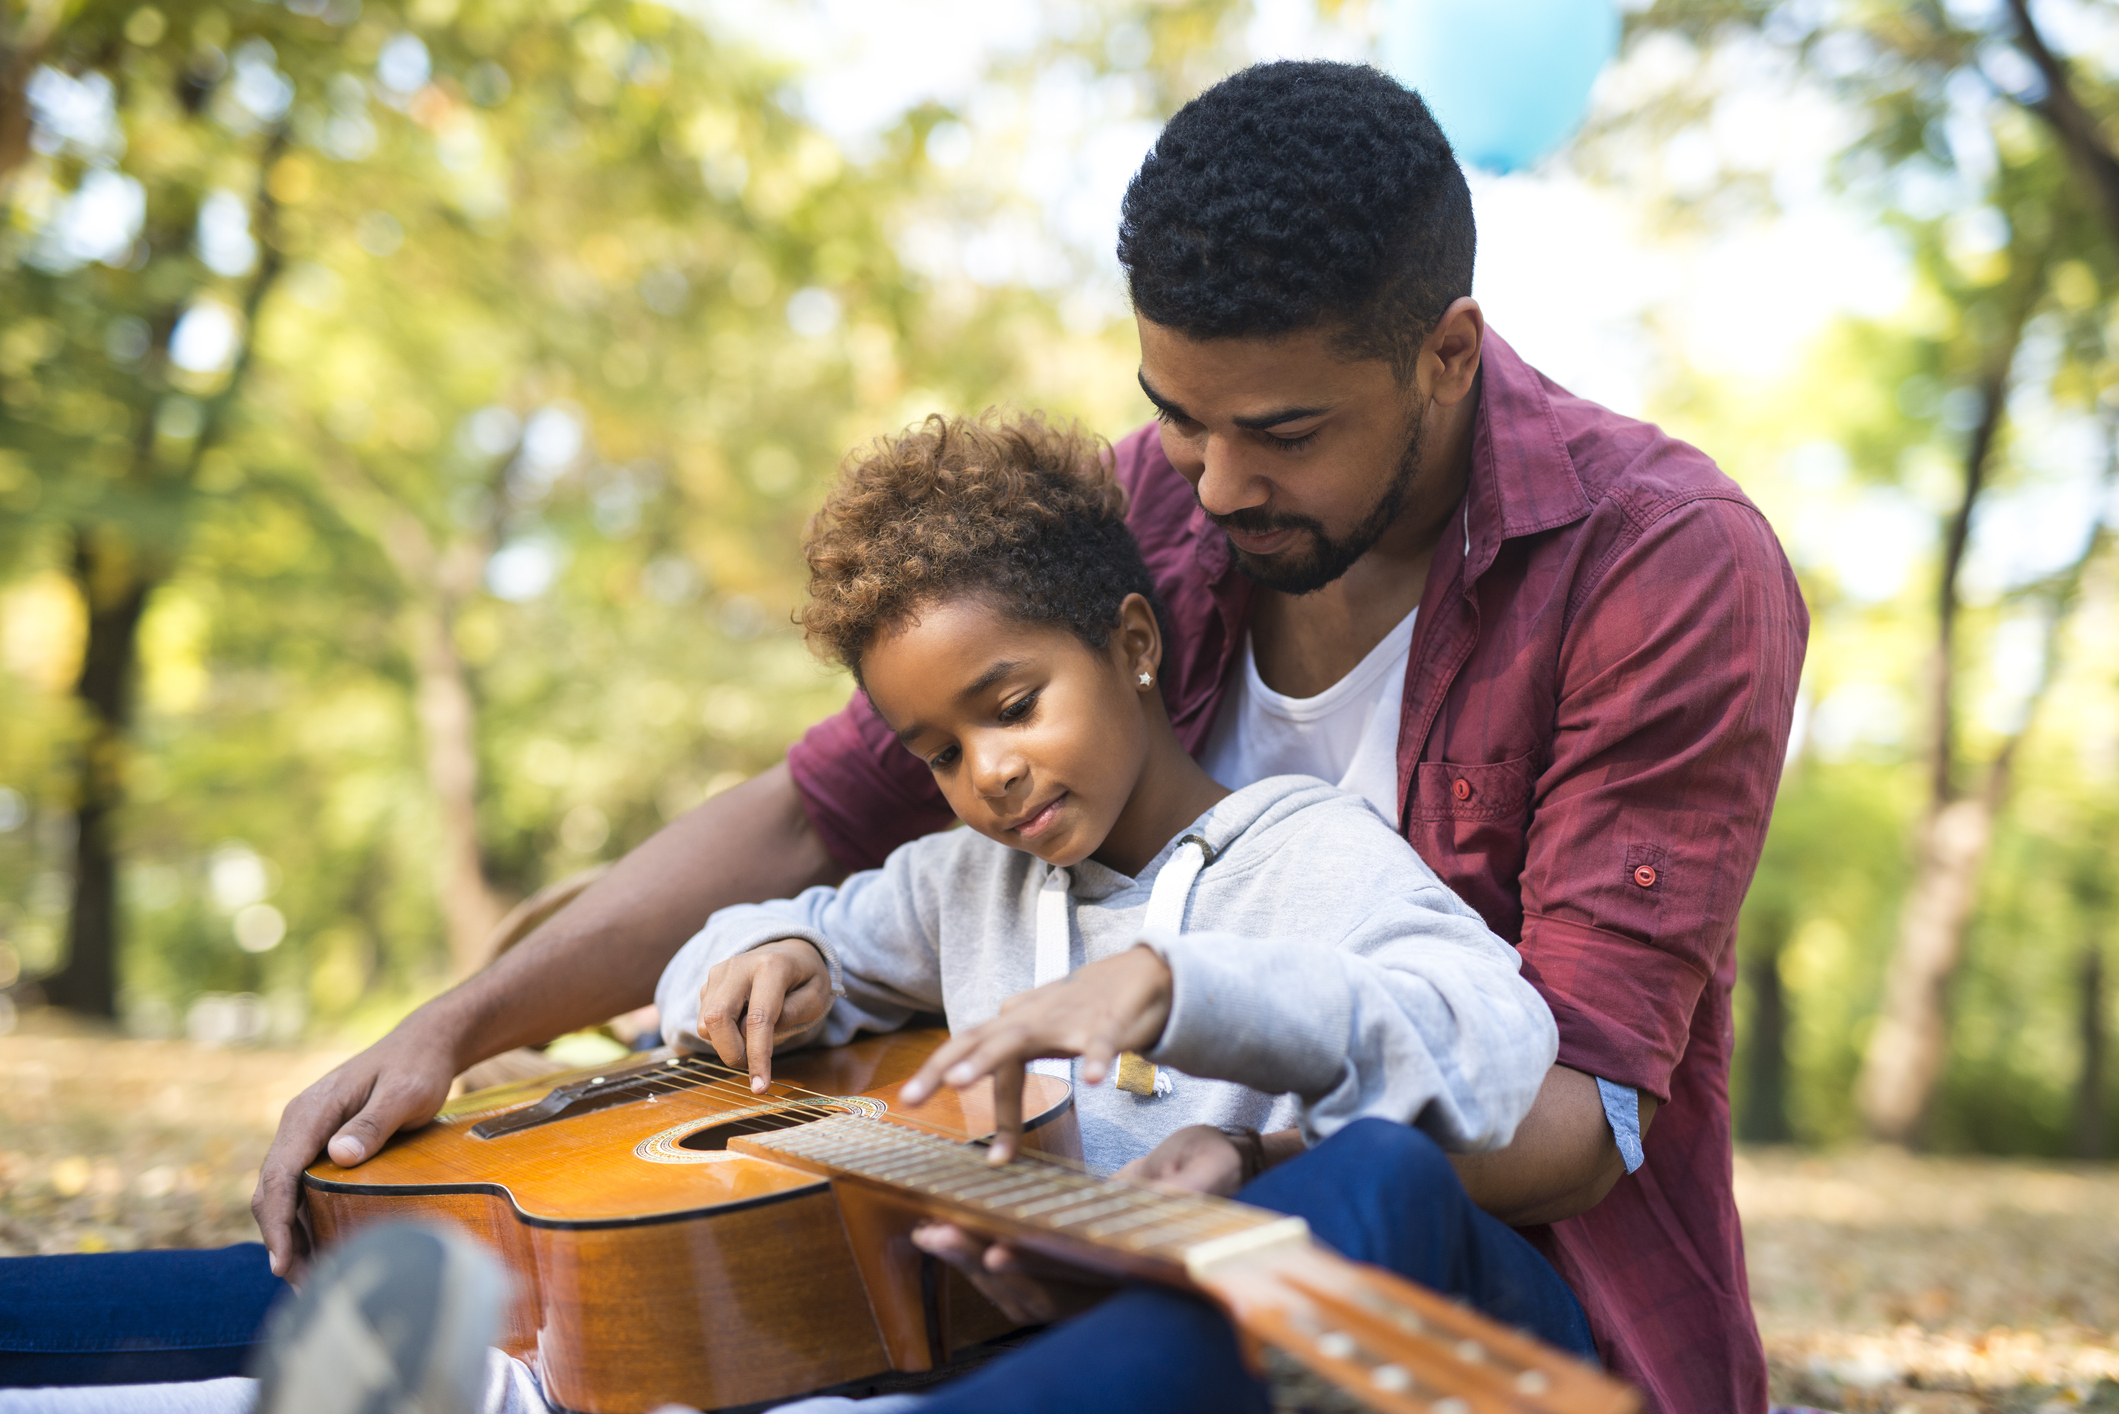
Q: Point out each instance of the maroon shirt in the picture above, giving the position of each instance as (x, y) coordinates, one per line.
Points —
(1596, 712)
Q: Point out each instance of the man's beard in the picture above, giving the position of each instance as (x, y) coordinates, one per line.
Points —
(1328, 558)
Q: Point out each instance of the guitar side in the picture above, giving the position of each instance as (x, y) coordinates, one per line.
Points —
(648, 1271)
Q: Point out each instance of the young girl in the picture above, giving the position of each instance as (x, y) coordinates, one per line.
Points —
(1278, 953)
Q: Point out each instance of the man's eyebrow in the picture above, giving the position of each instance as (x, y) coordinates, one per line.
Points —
(1257, 422)
(1161, 402)
(976, 686)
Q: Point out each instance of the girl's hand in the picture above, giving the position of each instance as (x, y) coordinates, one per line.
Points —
(1118, 1004)
(753, 1001)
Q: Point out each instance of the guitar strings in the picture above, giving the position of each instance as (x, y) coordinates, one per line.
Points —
(727, 1082)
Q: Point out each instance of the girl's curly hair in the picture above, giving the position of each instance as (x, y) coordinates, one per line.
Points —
(1022, 513)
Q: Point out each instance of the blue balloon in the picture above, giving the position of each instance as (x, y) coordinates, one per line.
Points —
(1507, 79)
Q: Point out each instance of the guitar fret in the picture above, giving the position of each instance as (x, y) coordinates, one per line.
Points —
(992, 1194)
(1173, 1212)
(1059, 1202)
(1112, 1227)
(1135, 1219)
(1178, 1233)
(931, 1176)
(1117, 1203)
(909, 1170)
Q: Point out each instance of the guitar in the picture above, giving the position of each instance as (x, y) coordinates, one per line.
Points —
(675, 1237)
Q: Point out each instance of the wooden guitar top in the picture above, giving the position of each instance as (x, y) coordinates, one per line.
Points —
(627, 1163)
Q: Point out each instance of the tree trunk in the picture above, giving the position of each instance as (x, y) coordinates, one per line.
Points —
(438, 579)
(1764, 1119)
(2089, 1130)
(116, 578)
(115, 590)
(448, 719)
(1906, 1053)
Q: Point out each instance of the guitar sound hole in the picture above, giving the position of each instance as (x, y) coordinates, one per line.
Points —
(716, 1136)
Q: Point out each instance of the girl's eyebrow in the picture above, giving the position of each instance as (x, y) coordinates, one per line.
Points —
(977, 685)
(991, 676)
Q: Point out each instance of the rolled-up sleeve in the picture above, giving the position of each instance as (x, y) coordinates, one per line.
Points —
(1679, 672)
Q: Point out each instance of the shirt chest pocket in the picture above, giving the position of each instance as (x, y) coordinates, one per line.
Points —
(1471, 824)
(1496, 794)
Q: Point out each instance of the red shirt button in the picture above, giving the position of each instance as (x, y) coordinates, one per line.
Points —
(1462, 789)
(1645, 876)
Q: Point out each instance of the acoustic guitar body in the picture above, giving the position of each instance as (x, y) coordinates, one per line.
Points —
(651, 1262)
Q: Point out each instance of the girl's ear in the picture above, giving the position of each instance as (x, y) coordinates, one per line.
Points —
(1139, 643)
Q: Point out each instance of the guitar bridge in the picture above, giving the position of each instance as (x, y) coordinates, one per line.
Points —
(579, 1098)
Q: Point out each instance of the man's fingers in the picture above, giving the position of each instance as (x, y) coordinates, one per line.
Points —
(1021, 1297)
(380, 1103)
(1007, 1112)
(301, 1134)
(274, 1206)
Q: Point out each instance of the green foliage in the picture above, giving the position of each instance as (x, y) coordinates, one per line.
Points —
(545, 323)
(2003, 233)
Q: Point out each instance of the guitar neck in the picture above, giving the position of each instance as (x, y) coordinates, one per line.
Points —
(1389, 1343)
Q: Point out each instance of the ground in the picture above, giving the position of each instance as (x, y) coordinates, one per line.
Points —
(1883, 1282)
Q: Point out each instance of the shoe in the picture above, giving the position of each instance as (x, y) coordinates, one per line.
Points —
(395, 1322)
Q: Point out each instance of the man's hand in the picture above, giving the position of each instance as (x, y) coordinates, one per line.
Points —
(400, 1081)
(1196, 1159)
(1029, 1289)
(1117, 1004)
(756, 1000)
(599, 956)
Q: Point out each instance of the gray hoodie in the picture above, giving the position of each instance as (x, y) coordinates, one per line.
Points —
(1322, 972)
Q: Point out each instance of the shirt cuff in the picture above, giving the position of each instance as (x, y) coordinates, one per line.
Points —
(1622, 1111)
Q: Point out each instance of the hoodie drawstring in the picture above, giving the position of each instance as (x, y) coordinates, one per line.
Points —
(1166, 913)
(1055, 938)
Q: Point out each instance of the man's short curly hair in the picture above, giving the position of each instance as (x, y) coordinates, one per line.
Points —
(1299, 195)
(1022, 513)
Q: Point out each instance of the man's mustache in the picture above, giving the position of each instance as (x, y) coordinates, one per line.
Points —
(1253, 520)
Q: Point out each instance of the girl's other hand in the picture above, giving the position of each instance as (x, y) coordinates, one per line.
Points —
(756, 1000)
(1112, 1005)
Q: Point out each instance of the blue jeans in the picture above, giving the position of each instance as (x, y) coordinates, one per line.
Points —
(1375, 1191)
(132, 1317)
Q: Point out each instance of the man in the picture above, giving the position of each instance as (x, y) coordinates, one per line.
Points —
(1558, 647)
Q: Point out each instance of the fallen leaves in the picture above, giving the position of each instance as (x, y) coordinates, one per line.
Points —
(1889, 1282)
(1883, 1282)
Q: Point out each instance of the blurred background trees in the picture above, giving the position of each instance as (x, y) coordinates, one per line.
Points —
(408, 413)
(1971, 136)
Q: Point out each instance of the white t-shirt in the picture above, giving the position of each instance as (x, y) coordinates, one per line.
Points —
(1346, 734)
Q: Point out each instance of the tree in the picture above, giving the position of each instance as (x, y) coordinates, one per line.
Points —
(132, 431)
(534, 327)
(1921, 83)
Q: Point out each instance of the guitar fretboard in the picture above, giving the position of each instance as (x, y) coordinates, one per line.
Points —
(1190, 1231)
(1373, 1335)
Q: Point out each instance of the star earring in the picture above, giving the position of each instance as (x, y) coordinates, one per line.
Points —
(1147, 679)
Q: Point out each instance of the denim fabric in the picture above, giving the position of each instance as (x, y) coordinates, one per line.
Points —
(1379, 1192)
(1622, 1111)
(132, 1317)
